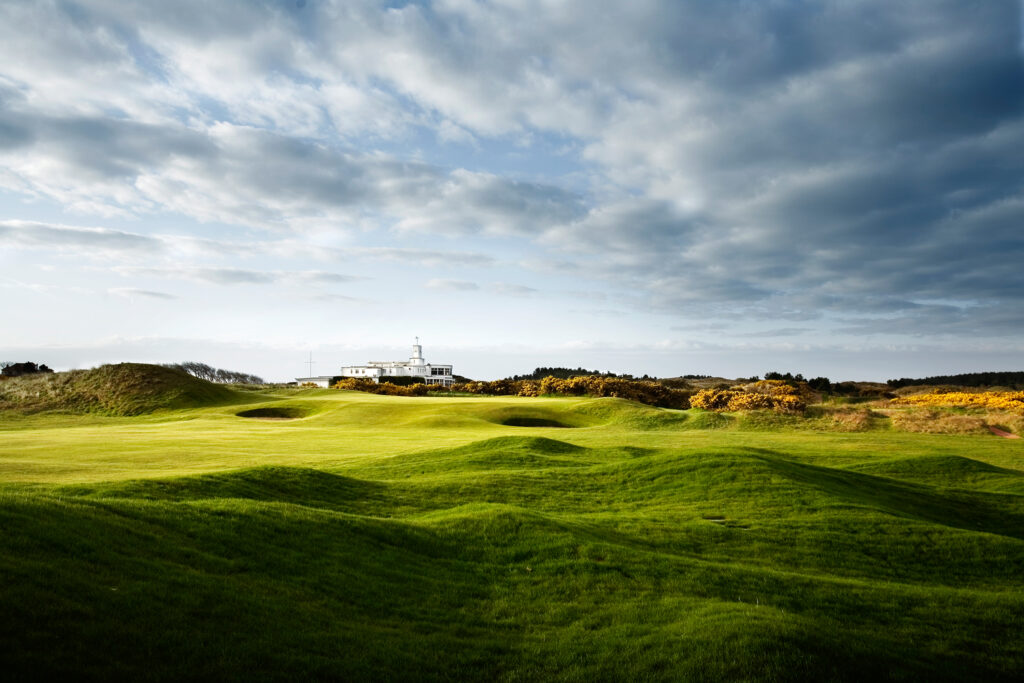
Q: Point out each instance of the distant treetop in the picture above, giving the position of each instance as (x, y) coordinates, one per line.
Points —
(1012, 379)
(11, 369)
(565, 373)
(789, 376)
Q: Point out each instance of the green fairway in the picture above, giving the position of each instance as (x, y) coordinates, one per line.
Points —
(341, 535)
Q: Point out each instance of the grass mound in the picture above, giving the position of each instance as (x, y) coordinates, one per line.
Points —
(631, 414)
(591, 413)
(953, 471)
(532, 444)
(523, 453)
(706, 419)
(227, 589)
(636, 564)
(273, 484)
(122, 389)
(976, 511)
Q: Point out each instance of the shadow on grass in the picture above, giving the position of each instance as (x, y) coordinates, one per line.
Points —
(969, 510)
(293, 485)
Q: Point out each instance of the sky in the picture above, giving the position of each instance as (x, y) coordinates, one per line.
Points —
(830, 187)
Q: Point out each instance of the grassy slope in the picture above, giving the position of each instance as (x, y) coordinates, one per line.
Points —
(122, 389)
(386, 537)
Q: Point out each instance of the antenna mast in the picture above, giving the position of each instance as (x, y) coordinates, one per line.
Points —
(310, 363)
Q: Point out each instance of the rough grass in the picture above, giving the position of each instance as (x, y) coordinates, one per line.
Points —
(848, 418)
(123, 389)
(934, 421)
(1008, 423)
(383, 538)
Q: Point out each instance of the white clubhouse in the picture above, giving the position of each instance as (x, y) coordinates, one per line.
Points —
(381, 370)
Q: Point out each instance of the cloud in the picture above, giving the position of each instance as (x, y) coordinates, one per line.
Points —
(239, 276)
(51, 236)
(506, 289)
(424, 257)
(321, 278)
(481, 202)
(774, 161)
(778, 332)
(452, 285)
(218, 276)
(334, 298)
(90, 242)
(131, 292)
(244, 176)
(586, 295)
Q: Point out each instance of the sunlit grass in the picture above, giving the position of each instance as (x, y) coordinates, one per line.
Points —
(381, 537)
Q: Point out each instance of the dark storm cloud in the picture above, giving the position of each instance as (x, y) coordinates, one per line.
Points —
(875, 163)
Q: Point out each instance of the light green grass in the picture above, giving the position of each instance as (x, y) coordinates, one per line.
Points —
(422, 538)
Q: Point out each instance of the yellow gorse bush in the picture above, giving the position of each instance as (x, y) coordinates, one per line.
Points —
(763, 395)
(386, 388)
(1009, 401)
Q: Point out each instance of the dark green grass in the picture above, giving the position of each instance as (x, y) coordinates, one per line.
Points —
(949, 471)
(524, 558)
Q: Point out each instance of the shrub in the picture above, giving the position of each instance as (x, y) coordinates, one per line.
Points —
(10, 369)
(1009, 401)
(386, 388)
(769, 394)
(642, 391)
(404, 380)
(712, 399)
(356, 384)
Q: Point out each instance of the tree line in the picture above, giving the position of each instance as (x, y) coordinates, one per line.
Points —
(651, 393)
(212, 374)
(569, 373)
(1013, 380)
(563, 373)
